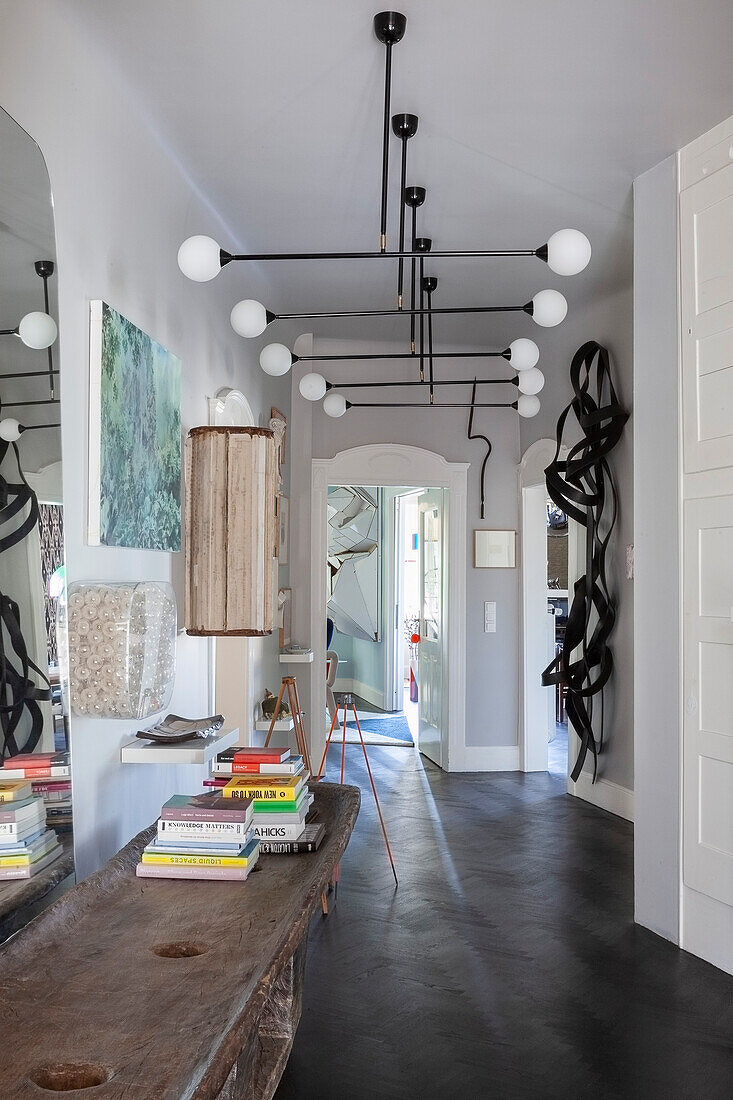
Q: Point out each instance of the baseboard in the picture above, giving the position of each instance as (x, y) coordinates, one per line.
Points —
(488, 758)
(604, 794)
(365, 691)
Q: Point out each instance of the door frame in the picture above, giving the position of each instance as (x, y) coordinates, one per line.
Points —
(394, 594)
(531, 472)
(396, 465)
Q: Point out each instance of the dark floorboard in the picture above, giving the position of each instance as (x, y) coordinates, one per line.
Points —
(506, 964)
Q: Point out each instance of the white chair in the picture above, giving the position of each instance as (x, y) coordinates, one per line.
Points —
(332, 664)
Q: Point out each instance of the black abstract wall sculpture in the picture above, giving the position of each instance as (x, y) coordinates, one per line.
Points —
(581, 484)
(19, 693)
(487, 441)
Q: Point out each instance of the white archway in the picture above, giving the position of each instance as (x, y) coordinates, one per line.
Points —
(395, 464)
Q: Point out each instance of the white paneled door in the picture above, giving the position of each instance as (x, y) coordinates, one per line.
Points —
(706, 269)
(431, 648)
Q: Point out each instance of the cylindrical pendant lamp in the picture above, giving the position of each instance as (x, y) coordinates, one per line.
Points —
(231, 488)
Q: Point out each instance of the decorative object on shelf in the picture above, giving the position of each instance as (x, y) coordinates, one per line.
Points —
(477, 435)
(495, 549)
(285, 616)
(354, 561)
(23, 685)
(566, 252)
(279, 425)
(134, 436)
(121, 647)
(269, 704)
(283, 529)
(231, 479)
(582, 487)
(173, 728)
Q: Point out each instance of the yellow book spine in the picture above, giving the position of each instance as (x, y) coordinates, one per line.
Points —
(197, 861)
(15, 861)
(264, 793)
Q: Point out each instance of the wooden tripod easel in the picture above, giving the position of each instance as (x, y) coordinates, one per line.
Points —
(347, 702)
(297, 716)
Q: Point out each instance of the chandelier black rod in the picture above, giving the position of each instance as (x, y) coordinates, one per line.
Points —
(413, 273)
(436, 382)
(23, 404)
(44, 269)
(422, 319)
(506, 354)
(527, 308)
(27, 374)
(37, 427)
(401, 261)
(422, 405)
(445, 254)
(429, 288)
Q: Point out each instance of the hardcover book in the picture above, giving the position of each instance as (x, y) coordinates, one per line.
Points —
(247, 856)
(308, 841)
(15, 790)
(205, 831)
(28, 870)
(205, 807)
(222, 874)
(293, 766)
(273, 754)
(20, 809)
(265, 788)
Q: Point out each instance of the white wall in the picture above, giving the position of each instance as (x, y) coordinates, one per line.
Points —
(657, 558)
(492, 669)
(122, 207)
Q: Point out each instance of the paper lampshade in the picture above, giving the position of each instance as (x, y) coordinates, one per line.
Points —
(231, 488)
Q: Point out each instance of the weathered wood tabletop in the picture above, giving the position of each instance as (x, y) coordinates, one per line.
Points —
(166, 989)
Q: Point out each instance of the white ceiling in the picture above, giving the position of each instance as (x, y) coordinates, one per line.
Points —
(533, 116)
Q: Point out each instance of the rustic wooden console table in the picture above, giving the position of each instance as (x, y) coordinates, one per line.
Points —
(152, 989)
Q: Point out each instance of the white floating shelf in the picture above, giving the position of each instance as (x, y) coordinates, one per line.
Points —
(557, 593)
(283, 725)
(297, 658)
(184, 752)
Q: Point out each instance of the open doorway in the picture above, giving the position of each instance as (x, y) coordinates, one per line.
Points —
(386, 641)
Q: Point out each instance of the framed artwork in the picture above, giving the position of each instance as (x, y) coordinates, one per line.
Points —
(134, 436)
(495, 549)
(282, 455)
(285, 616)
(283, 518)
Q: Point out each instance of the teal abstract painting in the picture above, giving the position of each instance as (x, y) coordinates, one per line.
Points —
(135, 436)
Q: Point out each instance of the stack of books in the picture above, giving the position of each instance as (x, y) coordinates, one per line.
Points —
(50, 776)
(277, 783)
(26, 845)
(202, 836)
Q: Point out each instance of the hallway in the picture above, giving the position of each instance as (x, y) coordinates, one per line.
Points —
(507, 963)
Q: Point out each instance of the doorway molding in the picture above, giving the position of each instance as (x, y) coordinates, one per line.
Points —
(395, 464)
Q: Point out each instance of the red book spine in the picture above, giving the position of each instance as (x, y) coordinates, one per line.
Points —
(216, 781)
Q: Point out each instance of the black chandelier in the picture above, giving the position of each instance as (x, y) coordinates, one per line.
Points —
(566, 252)
(37, 330)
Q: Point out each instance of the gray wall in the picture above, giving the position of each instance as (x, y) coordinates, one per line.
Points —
(657, 558)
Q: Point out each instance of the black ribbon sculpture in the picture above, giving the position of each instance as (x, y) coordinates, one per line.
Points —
(583, 487)
(18, 692)
(477, 435)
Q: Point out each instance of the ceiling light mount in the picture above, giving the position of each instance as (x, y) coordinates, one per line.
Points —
(389, 27)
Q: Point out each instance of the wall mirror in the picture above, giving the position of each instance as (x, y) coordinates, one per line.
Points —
(36, 853)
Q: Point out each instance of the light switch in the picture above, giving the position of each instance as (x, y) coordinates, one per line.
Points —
(490, 617)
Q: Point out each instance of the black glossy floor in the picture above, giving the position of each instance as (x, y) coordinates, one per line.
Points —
(507, 963)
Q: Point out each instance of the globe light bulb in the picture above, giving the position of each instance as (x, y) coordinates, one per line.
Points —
(568, 252)
(10, 430)
(528, 405)
(523, 354)
(199, 258)
(334, 404)
(549, 308)
(276, 359)
(37, 330)
(531, 381)
(312, 387)
(249, 318)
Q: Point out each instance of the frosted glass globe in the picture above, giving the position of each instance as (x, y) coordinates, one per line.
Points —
(37, 330)
(334, 404)
(549, 308)
(531, 381)
(312, 387)
(249, 318)
(568, 252)
(524, 354)
(9, 430)
(276, 359)
(199, 258)
(528, 405)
